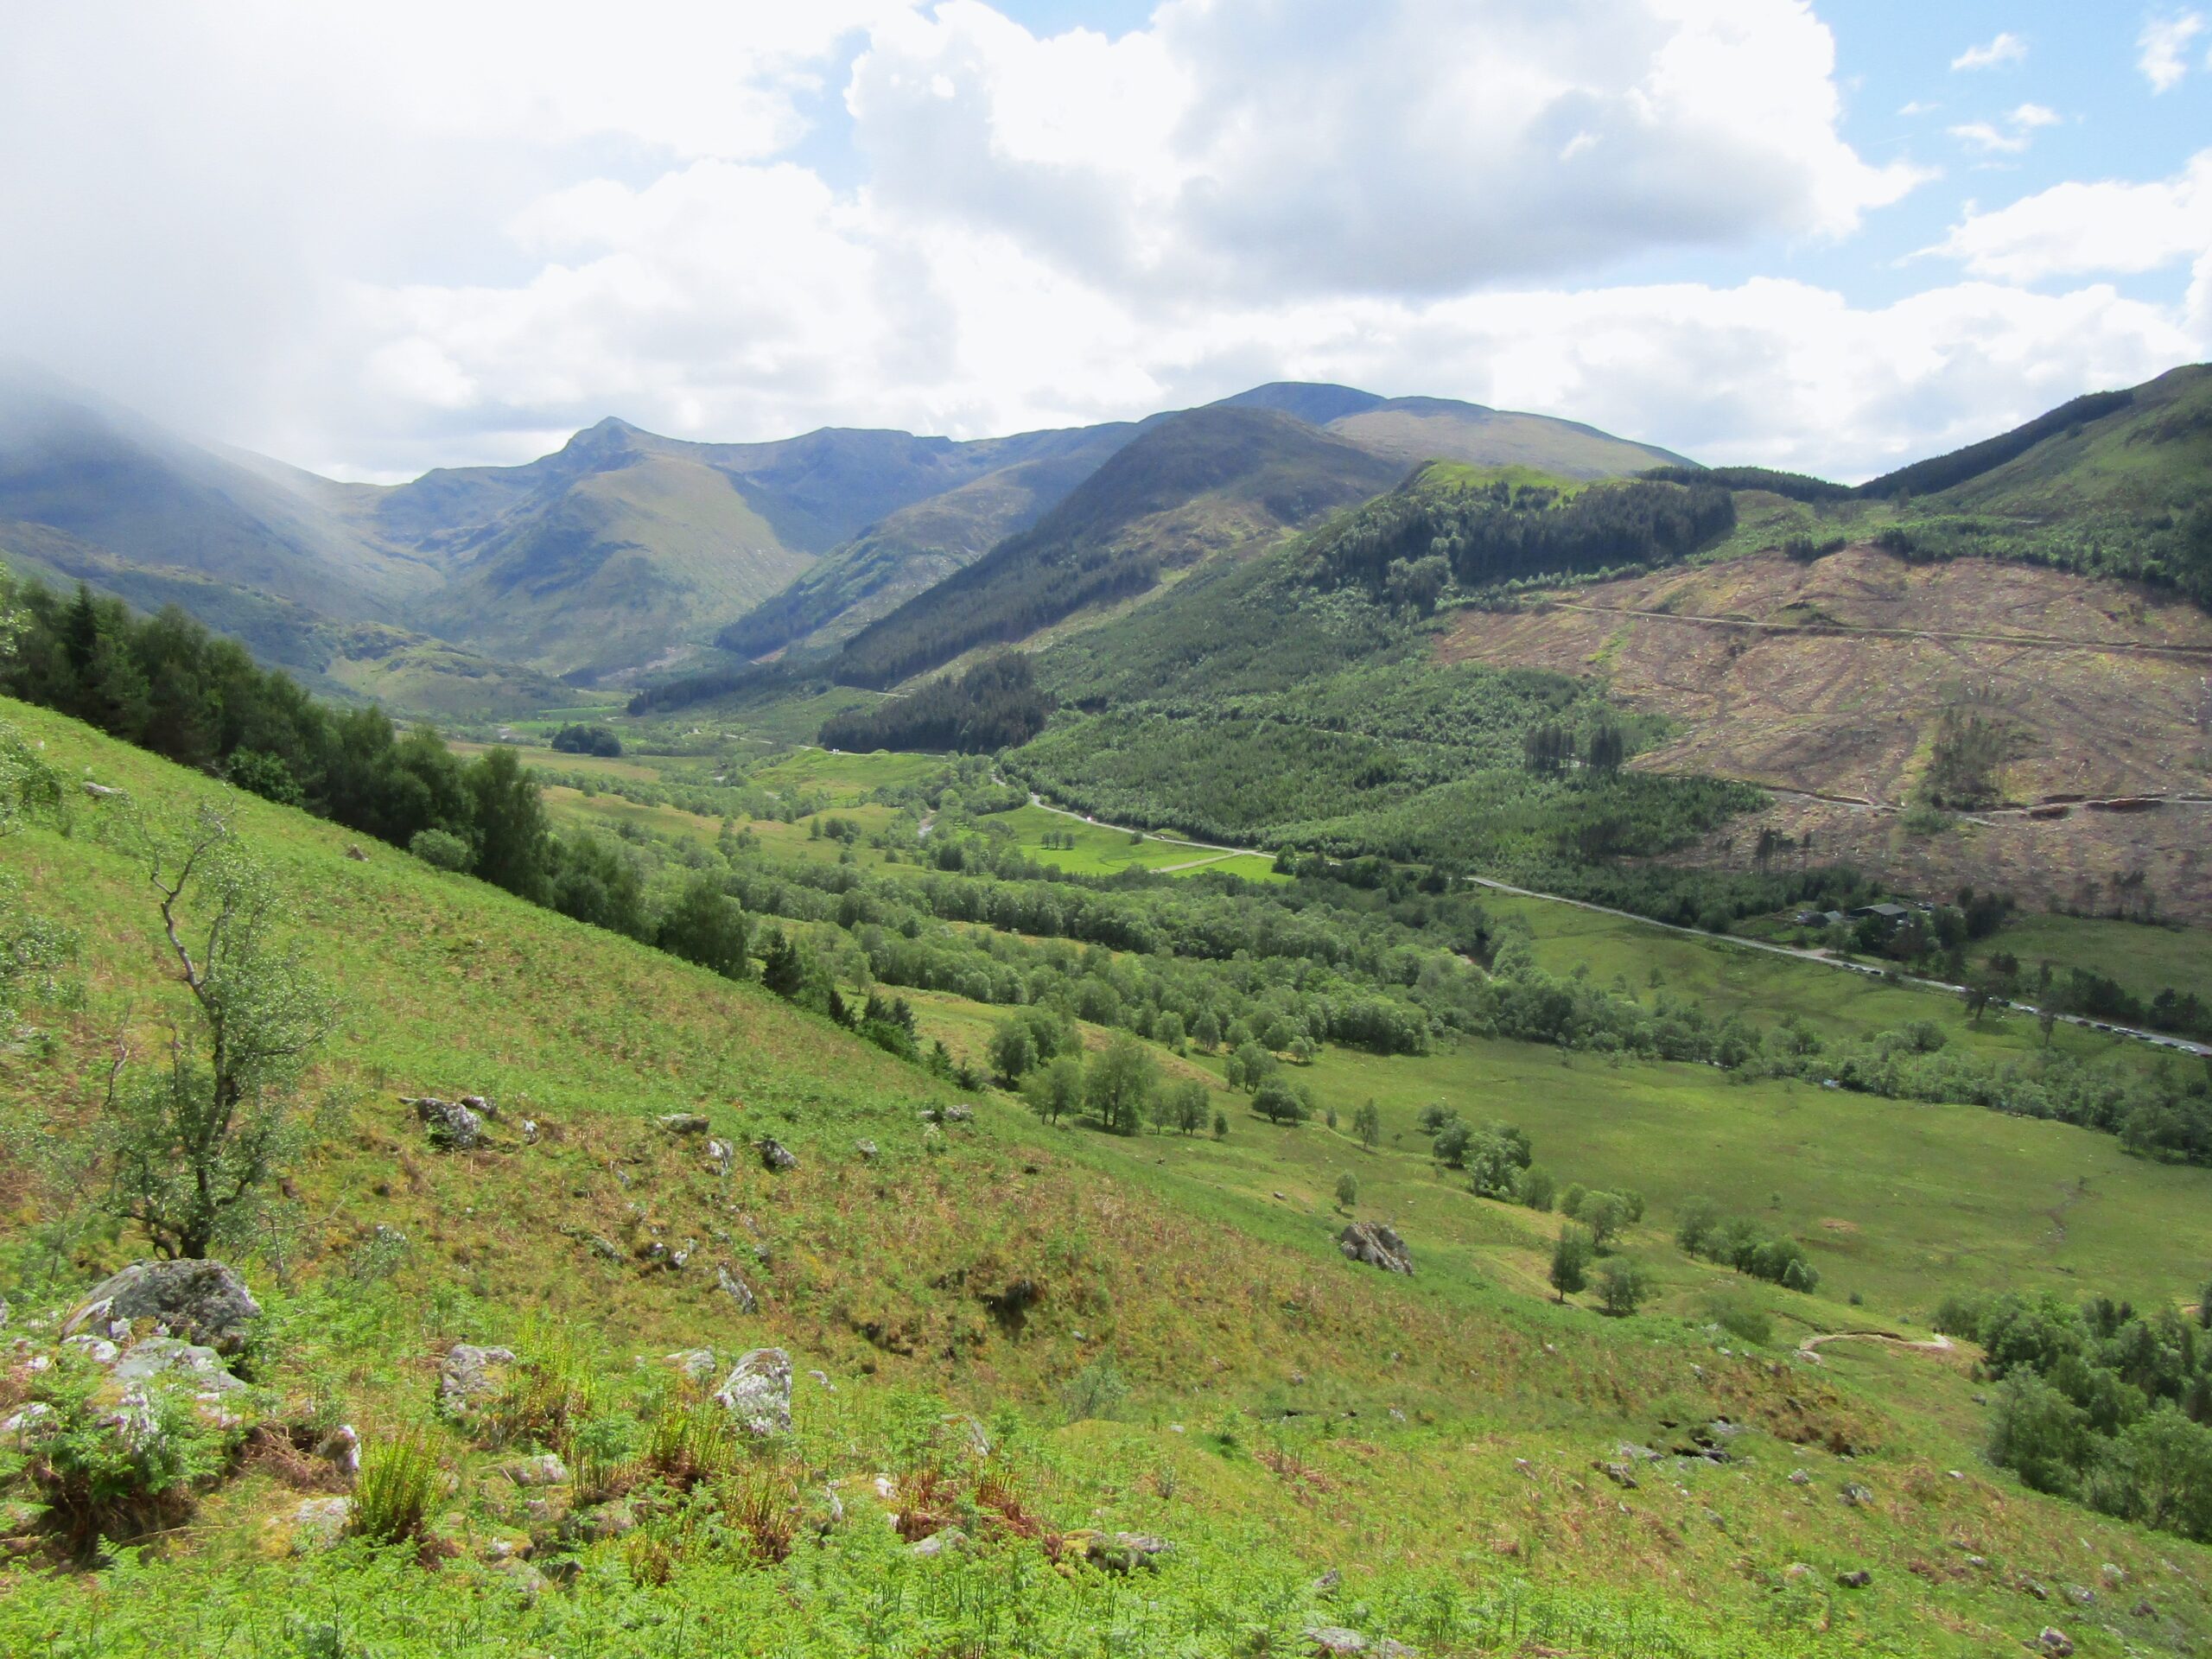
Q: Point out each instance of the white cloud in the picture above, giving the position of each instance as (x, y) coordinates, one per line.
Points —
(2012, 137)
(2162, 48)
(2003, 49)
(1918, 108)
(2074, 229)
(317, 238)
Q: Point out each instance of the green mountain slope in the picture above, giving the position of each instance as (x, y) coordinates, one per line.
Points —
(1190, 486)
(1189, 1357)
(916, 547)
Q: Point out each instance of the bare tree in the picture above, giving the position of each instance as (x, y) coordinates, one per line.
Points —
(192, 1142)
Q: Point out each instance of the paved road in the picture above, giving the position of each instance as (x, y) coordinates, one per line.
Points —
(2158, 1038)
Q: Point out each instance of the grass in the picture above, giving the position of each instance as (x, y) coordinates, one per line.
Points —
(1099, 850)
(2144, 959)
(1287, 1412)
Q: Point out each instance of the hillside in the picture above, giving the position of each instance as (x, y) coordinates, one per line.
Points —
(1270, 1411)
(915, 548)
(1835, 683)
(1206, 482)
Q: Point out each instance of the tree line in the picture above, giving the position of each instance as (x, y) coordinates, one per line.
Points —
(996, 704)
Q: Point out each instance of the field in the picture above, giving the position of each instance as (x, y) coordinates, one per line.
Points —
(2144, 960)
(1274, 1410)
(1099, 850)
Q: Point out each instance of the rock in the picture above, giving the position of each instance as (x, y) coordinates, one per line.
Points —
(737, 1290)
(1331, 1640)
(1798, 1570)
(2054, 1642)
(453, 1126)
(2112, 1576)
(1377, 1245)
(719, 1153)
(525, 1577)
(867, 1150)
(938, 1544)
(1327, 1583)
(544, 1470)
(823, 1377)
(203, 1302)
(696, 1363)
(1799, 1478)
(530, 1131)
(1855, 1494)
(353, 852)
(774, 1154)
(471, 1375)
(98, 1350)
(605, 1248)
(1857, 1579)
(1631, 1453)
(684, 1122)
(101, 791)
(24, 1424)
(341, 1446)
(166, 1356)
(758, 1392)
(319, 1522)
(1122, 1552)
(601, 1520)
(957, 1113)
(1619, 1473)
(481, 1105)
(2080, 1595)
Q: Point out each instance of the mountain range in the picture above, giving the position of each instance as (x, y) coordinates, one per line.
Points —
(625, 553)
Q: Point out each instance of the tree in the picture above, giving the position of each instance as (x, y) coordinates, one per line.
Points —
(1186, 1105)
(1453, 1140)
(1221, 1126)
(1119, 1084)
(1367, 1124)
(783, 968)
(1536, 1188)
(191, 1144)
(1205, 1031)
(1493, 1165)
(1622, 1286)
(1570, 1260)
(1699, 1222)
(1249, 1066)
(1605, 1214)
(1167, 1032)
(1055, 1089)
(1013, 1050)
(705, 925)
(1347, 1190)
(1279, 1103)
(513, 844)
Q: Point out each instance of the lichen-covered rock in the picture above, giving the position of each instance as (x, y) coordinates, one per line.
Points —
(695, 1364)
(203, 1302)
(774, 1154)
(758, 1392)
(1377, 1245)
(867, 1150)
(453, 1126)
(544, 1470)
(471, 1375)
(941, 1543)
(202, 1368)
(1116, 1552)
(684, 1122)
(736, 1289)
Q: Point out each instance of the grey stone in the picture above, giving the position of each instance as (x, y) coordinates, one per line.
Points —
(719, 1153)
(696, 1363)
(957, 1113)
(1619, 1473)
(1124, 1552)
(1377, 1245)
(1799, 1478)
(1858, 1579)
(166, 1356)
(2054, 1642)
(544, 1470)
(940, 1543)
(774, 1154)
(758, 1391)
(453, 1126)
(737, 1290)
(471, 1375)
(1857, 1496)
(203, 1302)
(605, 1248)
(1332, 1640)
(684, 1122)
(867, 1150)
(319, 1522)
(601, 1520)
(1327, 1583)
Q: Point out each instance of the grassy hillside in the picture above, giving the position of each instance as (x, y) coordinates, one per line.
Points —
(1414, 430)
(1195, 484)
(1201, 1366)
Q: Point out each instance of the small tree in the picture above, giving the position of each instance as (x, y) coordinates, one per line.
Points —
(1119, 1082)
(1187, 1102)
(1221, 1126)
(1537, 1189)
(1605, 1214)
(192, 1145)
(1013, 1050)
(1699, 1225)
(1367, 1124)
(1623, 1287)
(1347, 1190)
(1205, 1031)
(1056, 1088)
(1570, 1261)
(703, 925)
(1279, 1103)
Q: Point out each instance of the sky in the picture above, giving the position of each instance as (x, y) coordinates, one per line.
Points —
(1827, 235)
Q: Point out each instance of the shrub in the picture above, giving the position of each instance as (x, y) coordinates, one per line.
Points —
(1571, 1254)
(1347, 1190)
(1537, 1189)
(1623, 1287)
(392, 1499)
(1096, 1390)
(109, 1470)
(1279, 1103)
(442, 850)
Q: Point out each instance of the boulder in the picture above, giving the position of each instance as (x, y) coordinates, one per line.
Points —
(867, 1150)
(471, 1375)
(939, 1543)
(203, 1302)
(736, 1289)
(1856, 1496)
(2054, 1642)
(695, 1364)
(1116, 1552)
(544, 1470)
(1377, 1245)
(719, 1153)
(1619, 1473)
(758, 1391)
(684, 1122)
(1858, 1579)
(319, 1522)
(1333, 1641)
(453, 1126)
(774, 1154)
(166, 1356)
